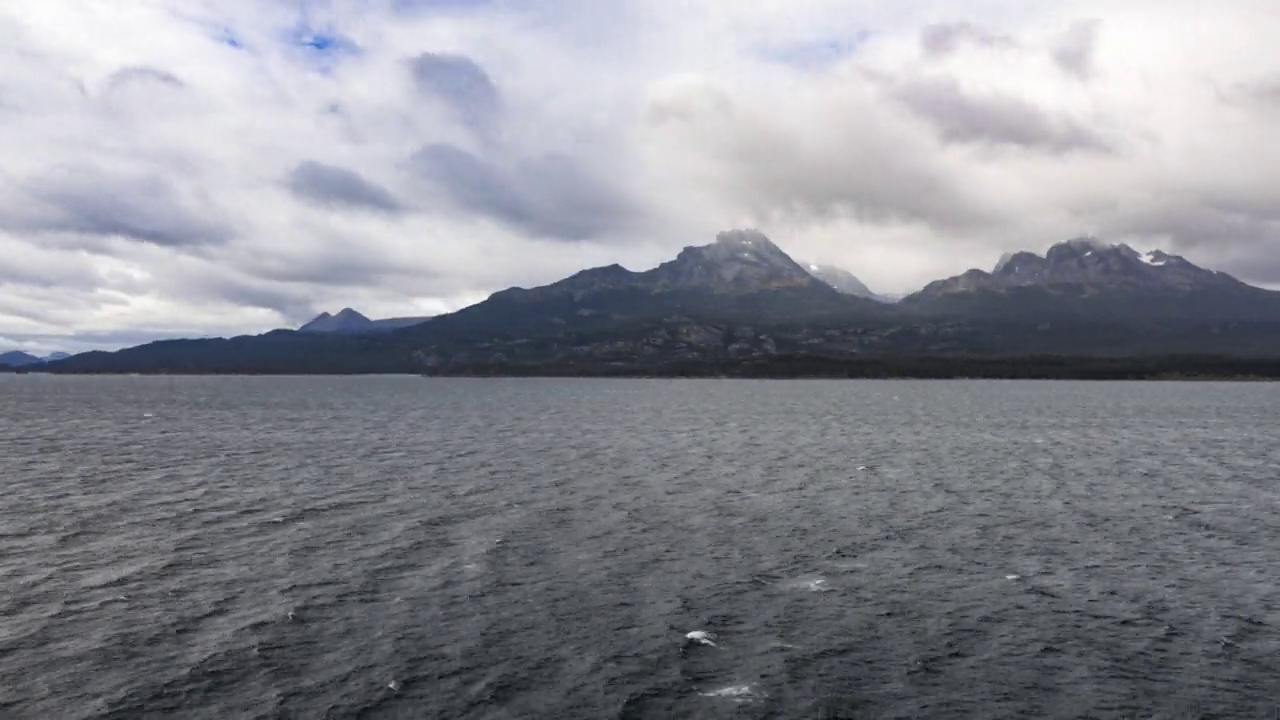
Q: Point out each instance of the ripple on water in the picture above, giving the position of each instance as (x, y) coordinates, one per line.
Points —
(405, 547)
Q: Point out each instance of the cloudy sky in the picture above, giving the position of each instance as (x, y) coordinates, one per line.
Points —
(210, 167)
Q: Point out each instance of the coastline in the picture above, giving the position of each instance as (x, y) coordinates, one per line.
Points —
(1194, 368)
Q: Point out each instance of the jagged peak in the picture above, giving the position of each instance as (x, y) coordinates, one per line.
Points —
(1090, 263)
(1079, 247)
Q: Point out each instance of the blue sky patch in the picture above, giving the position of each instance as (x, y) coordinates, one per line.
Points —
(818, 54)
(325, 42)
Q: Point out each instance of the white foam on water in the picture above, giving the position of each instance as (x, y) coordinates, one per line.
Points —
(1012, 577)
(812, 583)
(702, 636)
(393, 685)
(735, 692)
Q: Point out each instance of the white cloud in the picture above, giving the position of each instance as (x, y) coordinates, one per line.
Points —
(205, 167)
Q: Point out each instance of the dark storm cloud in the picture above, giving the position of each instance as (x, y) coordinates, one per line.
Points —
(550, 196)
(460, 83)
(146, 208)
(1074, 51)
(991, 119)
(334, 185)
(942, 39)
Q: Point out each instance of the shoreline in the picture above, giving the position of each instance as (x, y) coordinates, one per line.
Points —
(1194, 368)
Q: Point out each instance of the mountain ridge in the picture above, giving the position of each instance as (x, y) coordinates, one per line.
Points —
(1087, 262)
(742, 300)
(18, 358)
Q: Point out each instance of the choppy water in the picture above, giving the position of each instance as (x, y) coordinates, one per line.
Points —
(411, 548)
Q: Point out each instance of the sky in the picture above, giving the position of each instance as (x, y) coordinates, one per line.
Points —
(184, 168)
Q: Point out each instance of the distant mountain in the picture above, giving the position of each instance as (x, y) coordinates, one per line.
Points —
(18, 359)
(741, 302)
(53, 357)
(844, 281)
(718, 300)
(1087, 278)
(742, 277)
(1087, 265)
(346, 321)
(352, 322)
(739, 262)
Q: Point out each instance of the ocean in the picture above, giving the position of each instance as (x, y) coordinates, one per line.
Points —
(405, 547)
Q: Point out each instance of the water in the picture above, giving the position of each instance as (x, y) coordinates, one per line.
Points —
(409, 548)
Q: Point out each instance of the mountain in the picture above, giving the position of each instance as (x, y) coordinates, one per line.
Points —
(740, 305)
(1087, 266)
(1086, 276)
(53, 357)
(346, 321)
(18, 359)
(352, 322)
(739, 262)
(843, 281)
(740, 296)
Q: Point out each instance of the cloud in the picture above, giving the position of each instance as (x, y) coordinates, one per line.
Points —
(548, 196)
(808, 159)
(1261, 94)
(991, 118)
(333, 185)
(460, 83)
(142, 207)
(942, 39)
(232, 166)
(144, 75)
(1074, 50)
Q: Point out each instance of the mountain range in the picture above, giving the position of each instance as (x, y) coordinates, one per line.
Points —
(741, 304)
(18, 359)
